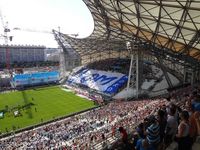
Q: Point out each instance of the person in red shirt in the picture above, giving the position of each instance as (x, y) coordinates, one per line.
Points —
(113, 130)
(124, 136)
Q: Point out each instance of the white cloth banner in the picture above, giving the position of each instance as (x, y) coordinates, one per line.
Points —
(108, 82)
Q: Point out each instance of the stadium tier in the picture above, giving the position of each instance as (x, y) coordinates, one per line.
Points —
(38, 78)
(136, 85)
(99, 128)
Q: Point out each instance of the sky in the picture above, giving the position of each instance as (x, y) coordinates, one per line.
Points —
(72, 16)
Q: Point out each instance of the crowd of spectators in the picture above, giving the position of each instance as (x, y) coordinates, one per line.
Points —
(84, 130)
(178, 121)
(153, 123)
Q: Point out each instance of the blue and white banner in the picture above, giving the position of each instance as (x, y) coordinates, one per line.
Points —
(117, 85)
(107, 82)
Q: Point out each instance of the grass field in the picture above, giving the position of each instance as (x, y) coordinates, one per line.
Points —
(39, 105)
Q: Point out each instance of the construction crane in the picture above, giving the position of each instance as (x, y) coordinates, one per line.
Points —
(6, 39)
(42, 31)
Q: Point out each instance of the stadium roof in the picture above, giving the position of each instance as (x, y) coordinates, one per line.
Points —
(165, 27)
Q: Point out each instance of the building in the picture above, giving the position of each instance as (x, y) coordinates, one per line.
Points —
(52, 54)
(51, 50)
(55, 57)
(4, 80)
(21, 53)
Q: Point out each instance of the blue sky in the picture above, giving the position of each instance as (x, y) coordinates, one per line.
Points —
(72, 16)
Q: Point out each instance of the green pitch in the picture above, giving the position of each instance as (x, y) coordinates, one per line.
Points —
(38, 105)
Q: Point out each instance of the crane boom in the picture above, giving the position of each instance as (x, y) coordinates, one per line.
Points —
(6, 37)
(32, 30)
(40, 31)
(2, 21)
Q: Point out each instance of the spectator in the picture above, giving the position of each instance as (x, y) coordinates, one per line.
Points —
(182, 137)
(197, 119)
(192, 123)
(140, 131)
(162, 123)
(124, 137)
(143, 145)
(196, 103)
(171, 126)
(153, 133)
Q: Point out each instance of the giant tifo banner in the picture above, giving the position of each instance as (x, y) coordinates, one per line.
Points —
(35, 78)
(106, 82)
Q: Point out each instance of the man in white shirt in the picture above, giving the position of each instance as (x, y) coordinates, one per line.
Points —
(171, 127)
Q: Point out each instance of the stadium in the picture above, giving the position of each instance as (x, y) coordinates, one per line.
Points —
(133, 84)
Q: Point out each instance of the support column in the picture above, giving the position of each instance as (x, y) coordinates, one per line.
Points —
(164, 69)
(131, 76)
(62, 64)
(190, 76)
(135, 69)
(139, 71)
